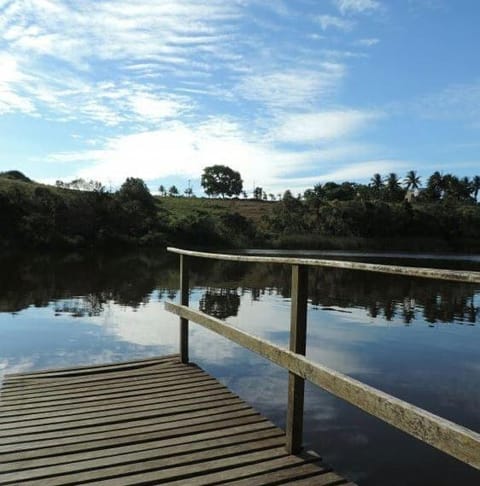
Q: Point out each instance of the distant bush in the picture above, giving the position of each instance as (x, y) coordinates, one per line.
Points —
(15, 175)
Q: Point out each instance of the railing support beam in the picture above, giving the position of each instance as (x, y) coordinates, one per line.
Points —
(184, 293)
(298, 339)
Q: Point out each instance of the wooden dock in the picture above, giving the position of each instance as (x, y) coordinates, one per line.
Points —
(154, 421)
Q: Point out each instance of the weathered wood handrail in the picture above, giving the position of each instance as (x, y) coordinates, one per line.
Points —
(452, 275)
(451, 438)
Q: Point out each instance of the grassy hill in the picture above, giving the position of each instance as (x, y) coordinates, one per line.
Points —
(250, 209)
(39, 215)
(36, 215)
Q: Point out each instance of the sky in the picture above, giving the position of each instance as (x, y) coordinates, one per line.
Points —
(289, 93)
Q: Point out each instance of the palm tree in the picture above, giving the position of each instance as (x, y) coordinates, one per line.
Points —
(376, 186)
(392, 181)
(435, 186)
(394, 192)
(455, 188)
(412, 181)
(476, 186)
(376, 182)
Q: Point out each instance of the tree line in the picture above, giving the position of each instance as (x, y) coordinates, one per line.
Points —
(443, 213)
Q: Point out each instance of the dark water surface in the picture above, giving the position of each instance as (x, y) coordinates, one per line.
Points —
(416, 339)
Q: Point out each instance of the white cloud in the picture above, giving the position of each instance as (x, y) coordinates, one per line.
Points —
(148, 75)
(327, 21)
(321, 126)
(357, 6)
(74, 57)
(363, 170)
(455, 102)
(367, 42)
(154, 108)
(11, 78)
(291, 87)
(83, 32)
(180, 150)
(177, 149)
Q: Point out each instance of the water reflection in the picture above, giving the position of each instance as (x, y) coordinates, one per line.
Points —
(220, 303)
(60, 310)
(81, 285)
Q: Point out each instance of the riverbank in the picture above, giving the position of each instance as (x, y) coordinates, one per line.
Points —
(38, 216)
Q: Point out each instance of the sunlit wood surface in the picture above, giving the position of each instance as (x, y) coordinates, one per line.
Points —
(154, 421)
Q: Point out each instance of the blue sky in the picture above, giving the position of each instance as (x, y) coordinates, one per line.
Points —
(289, 93)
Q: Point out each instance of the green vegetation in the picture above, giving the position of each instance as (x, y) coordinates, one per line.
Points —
(220, 180)
(40, 216)
(388, 213)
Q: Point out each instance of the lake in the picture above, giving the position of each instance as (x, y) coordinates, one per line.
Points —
(417, 339)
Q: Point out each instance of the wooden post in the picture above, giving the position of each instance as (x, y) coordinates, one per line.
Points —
(184, 291)
(298, 338)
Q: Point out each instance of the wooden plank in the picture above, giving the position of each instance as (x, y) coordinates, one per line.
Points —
(250, 441)
(298, 342)
(288, 473)
(186, 473)
(184, 296)
(193, 441)
(440, 433)
(47, 393)
(89, 369)
(87, 433)
(135, 427)
(329, 479)
(172, 395)
(51, 401)
(183, 427)
(20, 385)
(105, 411)
(133, 437)
(168, 395)
(268, 465)
(433, 273)
(67, 426)
(150, 462)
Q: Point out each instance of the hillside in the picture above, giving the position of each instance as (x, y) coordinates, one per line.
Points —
(250, 209)
(35, 215)
(39, 215)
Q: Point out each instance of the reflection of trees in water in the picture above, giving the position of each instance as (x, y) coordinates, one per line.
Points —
(82, 284)
(220, 302)
(88, 305)
(385, 296)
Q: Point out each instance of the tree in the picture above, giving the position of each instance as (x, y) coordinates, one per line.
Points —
(376, 182)
(412, 181)
(162, 190)
(135, 189)
(435, 186)
(257, 193)
(376, 186)
(457, 189)
(476, 186)
(314, 198)
(220, 180)
(394, 192)
(173, 191)
(188, 192)
(136, 209)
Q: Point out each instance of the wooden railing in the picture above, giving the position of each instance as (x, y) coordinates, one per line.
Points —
(451, 438)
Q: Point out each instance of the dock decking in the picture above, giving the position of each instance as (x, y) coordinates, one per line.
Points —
(154, 421)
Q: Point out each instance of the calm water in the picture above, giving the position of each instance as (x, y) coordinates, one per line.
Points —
(416, 339)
